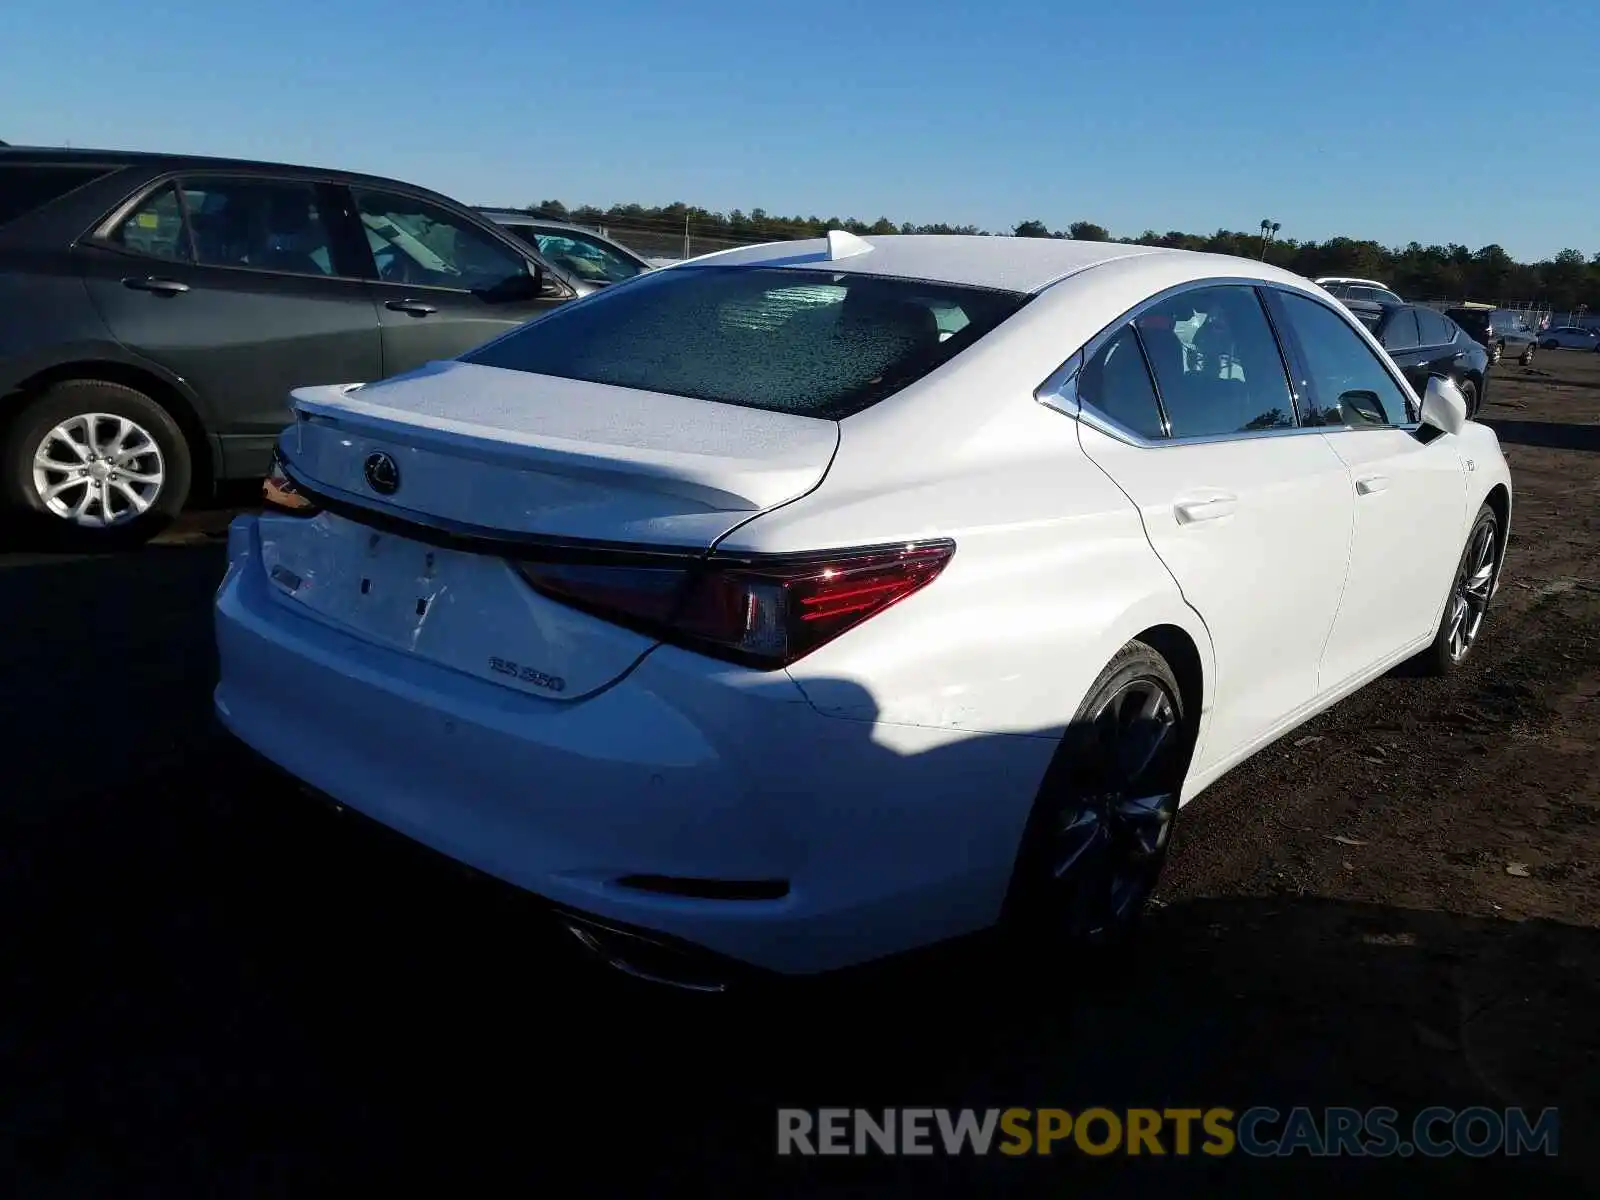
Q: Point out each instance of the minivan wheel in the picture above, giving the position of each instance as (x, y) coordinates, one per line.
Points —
(1471, 588)
(1495, 352)
(97, 462)
(1100, 828)
(1527, 356)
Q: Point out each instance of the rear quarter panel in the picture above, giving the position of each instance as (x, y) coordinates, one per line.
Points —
(1052, 572)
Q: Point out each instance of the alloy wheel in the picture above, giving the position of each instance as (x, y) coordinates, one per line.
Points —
(98, 470)
(1110, 833)
(1470, 598)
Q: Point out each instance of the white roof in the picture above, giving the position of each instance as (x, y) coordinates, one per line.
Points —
(1017, 264)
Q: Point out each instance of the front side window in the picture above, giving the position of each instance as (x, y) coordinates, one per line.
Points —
(156, 227)
(1344, 382)
(816, 343)
(1216, 361)
(265, 224)
(1116, 383)
(583, 257)
(417, 243)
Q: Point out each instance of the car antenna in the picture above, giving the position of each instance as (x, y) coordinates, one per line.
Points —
(846, 245)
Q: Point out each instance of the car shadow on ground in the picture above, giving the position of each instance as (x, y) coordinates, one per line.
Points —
(224, 989)
(1551, 435)
(214, 985)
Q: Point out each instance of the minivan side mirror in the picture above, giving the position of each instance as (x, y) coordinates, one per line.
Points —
(1443, 406)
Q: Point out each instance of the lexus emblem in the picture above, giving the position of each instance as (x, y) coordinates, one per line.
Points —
(383, 474)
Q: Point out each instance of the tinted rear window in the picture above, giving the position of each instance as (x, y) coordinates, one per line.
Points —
(25, 187)
(815, 343)
(1468, 318)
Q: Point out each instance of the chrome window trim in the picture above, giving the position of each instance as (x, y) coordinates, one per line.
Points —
(1059, 392)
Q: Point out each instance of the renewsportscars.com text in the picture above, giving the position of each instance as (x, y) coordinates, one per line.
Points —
(1258, 1132)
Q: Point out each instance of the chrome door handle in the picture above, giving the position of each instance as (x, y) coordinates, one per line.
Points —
(1210, 509)
(1372, 484)
(414, 307)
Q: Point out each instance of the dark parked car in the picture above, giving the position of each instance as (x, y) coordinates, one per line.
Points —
(1501, 331)
(1424, 342)
(159, 309)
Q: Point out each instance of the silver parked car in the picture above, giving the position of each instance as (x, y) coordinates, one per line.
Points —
(1569, 337)
(585, 259)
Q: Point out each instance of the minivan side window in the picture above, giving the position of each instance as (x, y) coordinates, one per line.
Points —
(265, 224)
(156, 227)
(417, 243)
(1345, 383)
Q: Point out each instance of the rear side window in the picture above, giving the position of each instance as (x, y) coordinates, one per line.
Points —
(1401, 332)
(25, 188)
(1217, 364)
(816, 343)
(156, 227)
(1116, 383)
(1434, 329)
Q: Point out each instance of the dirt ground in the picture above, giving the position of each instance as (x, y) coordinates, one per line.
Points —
(209, 986)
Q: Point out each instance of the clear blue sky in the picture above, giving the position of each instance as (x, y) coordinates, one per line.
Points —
(1449, 120)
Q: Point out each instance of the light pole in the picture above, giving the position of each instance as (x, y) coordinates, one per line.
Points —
(1268, 229)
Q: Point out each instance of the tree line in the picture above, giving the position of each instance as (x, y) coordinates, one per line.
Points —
(1446, 272)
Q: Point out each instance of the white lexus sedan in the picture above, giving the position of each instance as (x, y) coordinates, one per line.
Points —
(812, 602)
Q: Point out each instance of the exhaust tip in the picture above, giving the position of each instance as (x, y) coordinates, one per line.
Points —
(645, 958)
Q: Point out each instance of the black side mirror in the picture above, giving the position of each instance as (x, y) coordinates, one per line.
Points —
(535, 285)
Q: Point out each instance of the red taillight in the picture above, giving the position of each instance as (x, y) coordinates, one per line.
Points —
(279, 493)
(760, 612)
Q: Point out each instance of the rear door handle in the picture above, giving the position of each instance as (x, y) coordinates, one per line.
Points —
(1372, 484)
(163, 287)
(1210, 508)
(415, 307)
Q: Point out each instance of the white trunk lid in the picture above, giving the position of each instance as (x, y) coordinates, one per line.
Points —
(485, 453)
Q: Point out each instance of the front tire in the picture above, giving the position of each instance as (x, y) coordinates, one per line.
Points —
(1469, 393)
(1496, 352)
(95, 463)
(1471, 588)
(1101, 826)
(1527, 356)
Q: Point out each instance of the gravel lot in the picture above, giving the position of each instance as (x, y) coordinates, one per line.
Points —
(211, 986)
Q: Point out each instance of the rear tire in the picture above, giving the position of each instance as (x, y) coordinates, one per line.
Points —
(1100, 828)
(95, 464)
(1471, 589)
(1469, 393)
(1527, 356)
(1495, 353)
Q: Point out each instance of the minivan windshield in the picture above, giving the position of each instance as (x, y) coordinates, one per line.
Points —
(816, 343)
